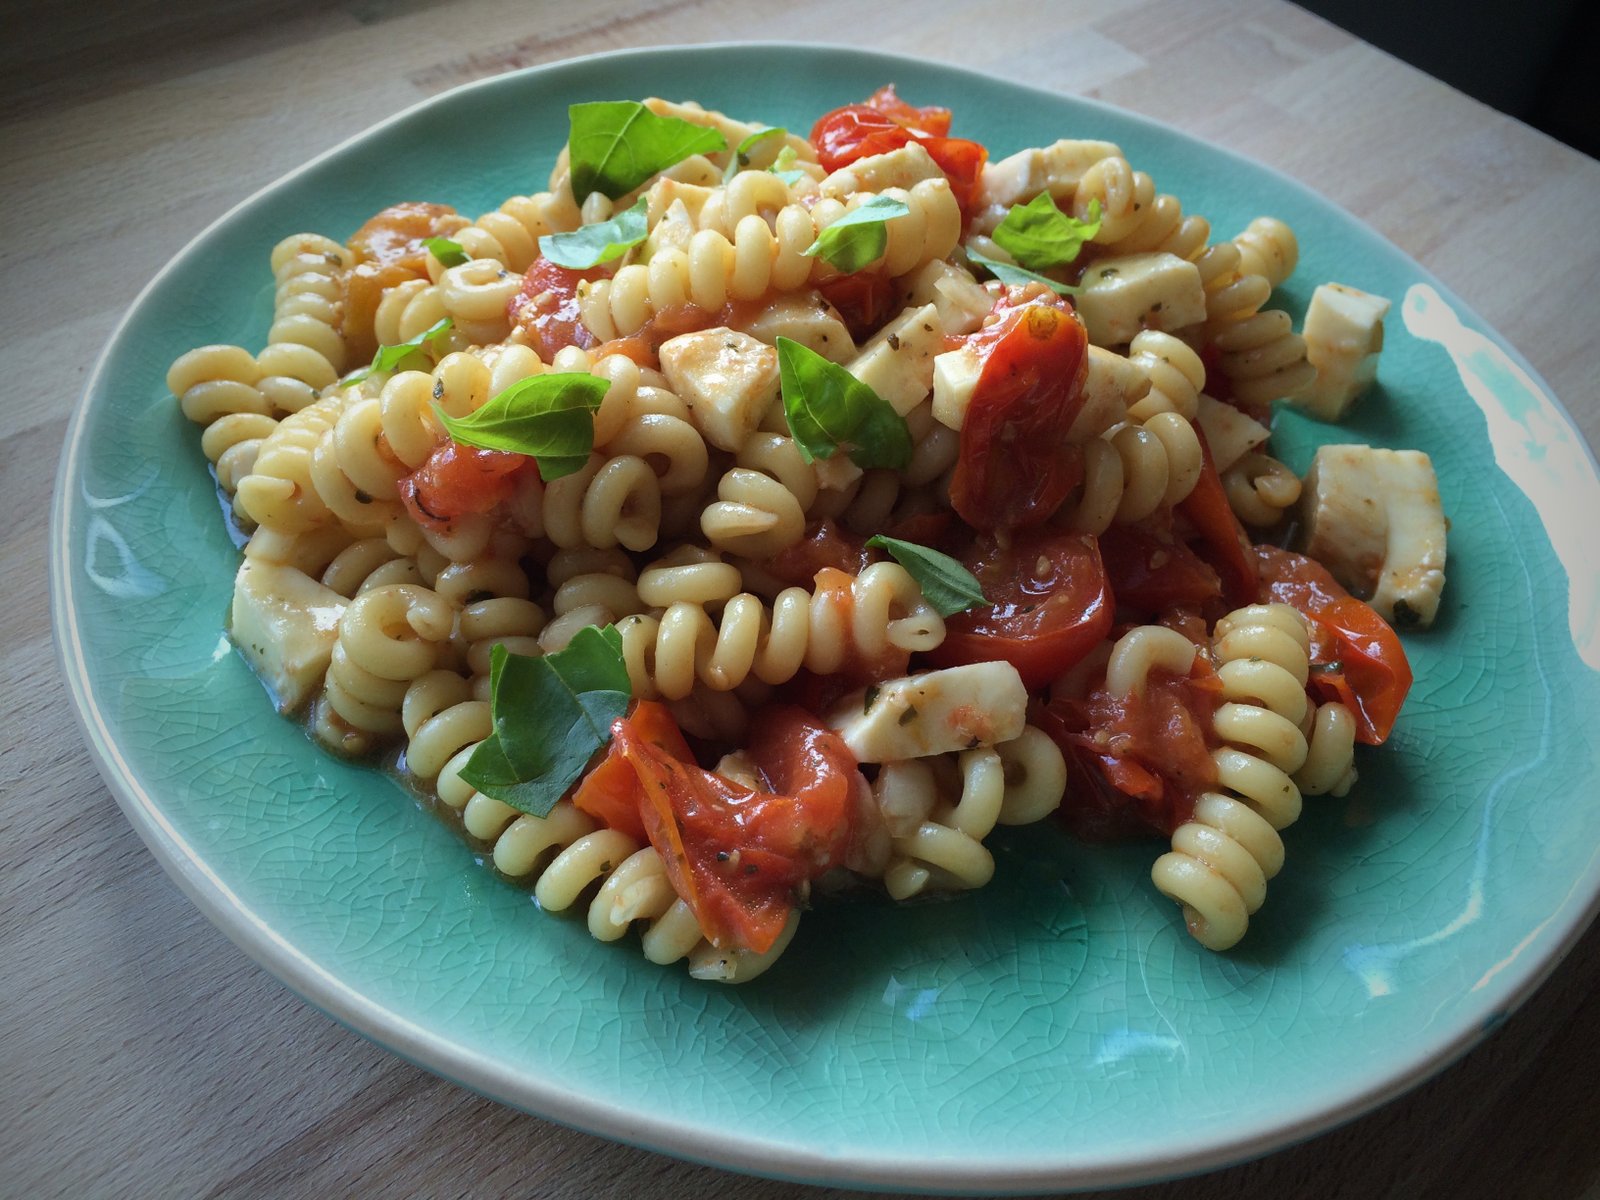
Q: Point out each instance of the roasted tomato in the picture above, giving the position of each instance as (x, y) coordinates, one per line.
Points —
(388, 250)
(1151, 571)
(546, 310)
(1050, 605)
(824, 545)
(884, 123)
(458, 480)
(1217, 535)
(1356, 658)
(1014, 468)
(735, 854)
(610, 791)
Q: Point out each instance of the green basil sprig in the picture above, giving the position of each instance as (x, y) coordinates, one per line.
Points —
(449, 253)
(784, 166)
(945, 583)
(829, 409)
(550, 417)
(551, 714)
(615, 145)
(591, 245)
(745, 151)
(860, 236)
(391, 358)
(1040, 236)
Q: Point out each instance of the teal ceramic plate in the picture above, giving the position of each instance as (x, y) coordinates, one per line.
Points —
(1056, 1029)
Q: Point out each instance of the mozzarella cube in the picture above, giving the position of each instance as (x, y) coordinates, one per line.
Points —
(960, 300)
(286, 623)
(727, 379)
(807, 318)
(1374, 519)
(898, 362)
(1056, 169)
(955, 378)
(1230, 433)
(958, 708)
(902, 168)
(1124, 296)
(1343, 333)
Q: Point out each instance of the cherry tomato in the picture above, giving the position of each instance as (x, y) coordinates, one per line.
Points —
(546, 309)
(884, 123)
(734, 854)
(610, 791)
(864, 300)
(1050, 605)
(1013, 469)
(824, 545)
(457, 480)
(1221, 539)
(1152, 571)
(388, 250)
(1356, 658)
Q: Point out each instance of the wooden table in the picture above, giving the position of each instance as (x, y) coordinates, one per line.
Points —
(140, 1052)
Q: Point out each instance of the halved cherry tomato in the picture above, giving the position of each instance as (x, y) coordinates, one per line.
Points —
(824, 545)
(1356, 658)
(610, 791)
(1222, 540)
(734, 854)
(1013, 468)
(1151, 570)
(457, 480)
(546, 307)
(865, 300)
(388, 250)
(1050, 605)
(884, 123)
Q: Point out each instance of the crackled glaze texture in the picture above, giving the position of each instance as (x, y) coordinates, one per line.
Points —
(1057, 1027)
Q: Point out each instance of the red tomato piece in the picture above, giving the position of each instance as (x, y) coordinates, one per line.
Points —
(546, 310)
(610, 791)
(864, 300)
(825, 545)
(931, 120)
(457, 480)
(736, 855)
(1152, 571)
(1013, 469)
(884, 123)
(1356, 658)
(1221, 539)
(1050, 605)
(388, 250)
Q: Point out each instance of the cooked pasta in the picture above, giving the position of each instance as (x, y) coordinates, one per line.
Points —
(783, 482)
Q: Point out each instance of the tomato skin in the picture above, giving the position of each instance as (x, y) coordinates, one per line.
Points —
(545, 309)
(864, 300)
(824, 545)
(458, 480)
(734, 854)
(884, 123)
(1013, 469)
(1356, 657)
(1222, 541)
(1151, 571)
(610, 791)
(1042, 622)
(388, 250)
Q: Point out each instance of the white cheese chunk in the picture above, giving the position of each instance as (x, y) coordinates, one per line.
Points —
(728, 379)
(1124, 296)
(898, 362)
(902, 168)
(1056, 169)
(957, 708)
(286, 623)
(807, 318)
(1343, 333)
(1374, 519)
(955, 378)
(1230, 433)
(960, 300)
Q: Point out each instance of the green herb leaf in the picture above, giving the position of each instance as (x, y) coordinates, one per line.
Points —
(783, 166)
(829, 409)
(1011, 273)
(743, 153)
(615, 145)
(551, 715)
(550, 417)
(449, 254)
(392, 358)
(1040, 236)
(945, 583)
(859, 237)
(601, 242)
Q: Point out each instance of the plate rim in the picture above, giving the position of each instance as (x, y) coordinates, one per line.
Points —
(732, 1150)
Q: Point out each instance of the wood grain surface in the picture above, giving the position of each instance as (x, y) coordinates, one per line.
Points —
(141, 1054)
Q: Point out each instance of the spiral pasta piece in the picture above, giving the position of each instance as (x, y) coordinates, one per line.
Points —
(1134, 469)
(510, 234)
(1268, 248)
(388, 637)
(1222, 858)
(882, 610)
(279, 492)
(307, 306)
(945, 851)
(1260, 489)
(1263, 357)
(216, 389)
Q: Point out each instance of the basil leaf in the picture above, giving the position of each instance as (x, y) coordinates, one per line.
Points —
(1040, 236)
(945, 583)
(1011, 273)
(390, 358)
(550, 417)
(599, 243)
(551, 714)
(829, 409)
(615, 145)
(449, 253)
(783, 166)
(742, 154)
(858, 237)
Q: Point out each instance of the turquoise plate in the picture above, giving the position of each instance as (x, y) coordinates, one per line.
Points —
(1056, 1029)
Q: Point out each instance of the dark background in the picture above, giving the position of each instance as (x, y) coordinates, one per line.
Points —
(1537, 60)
